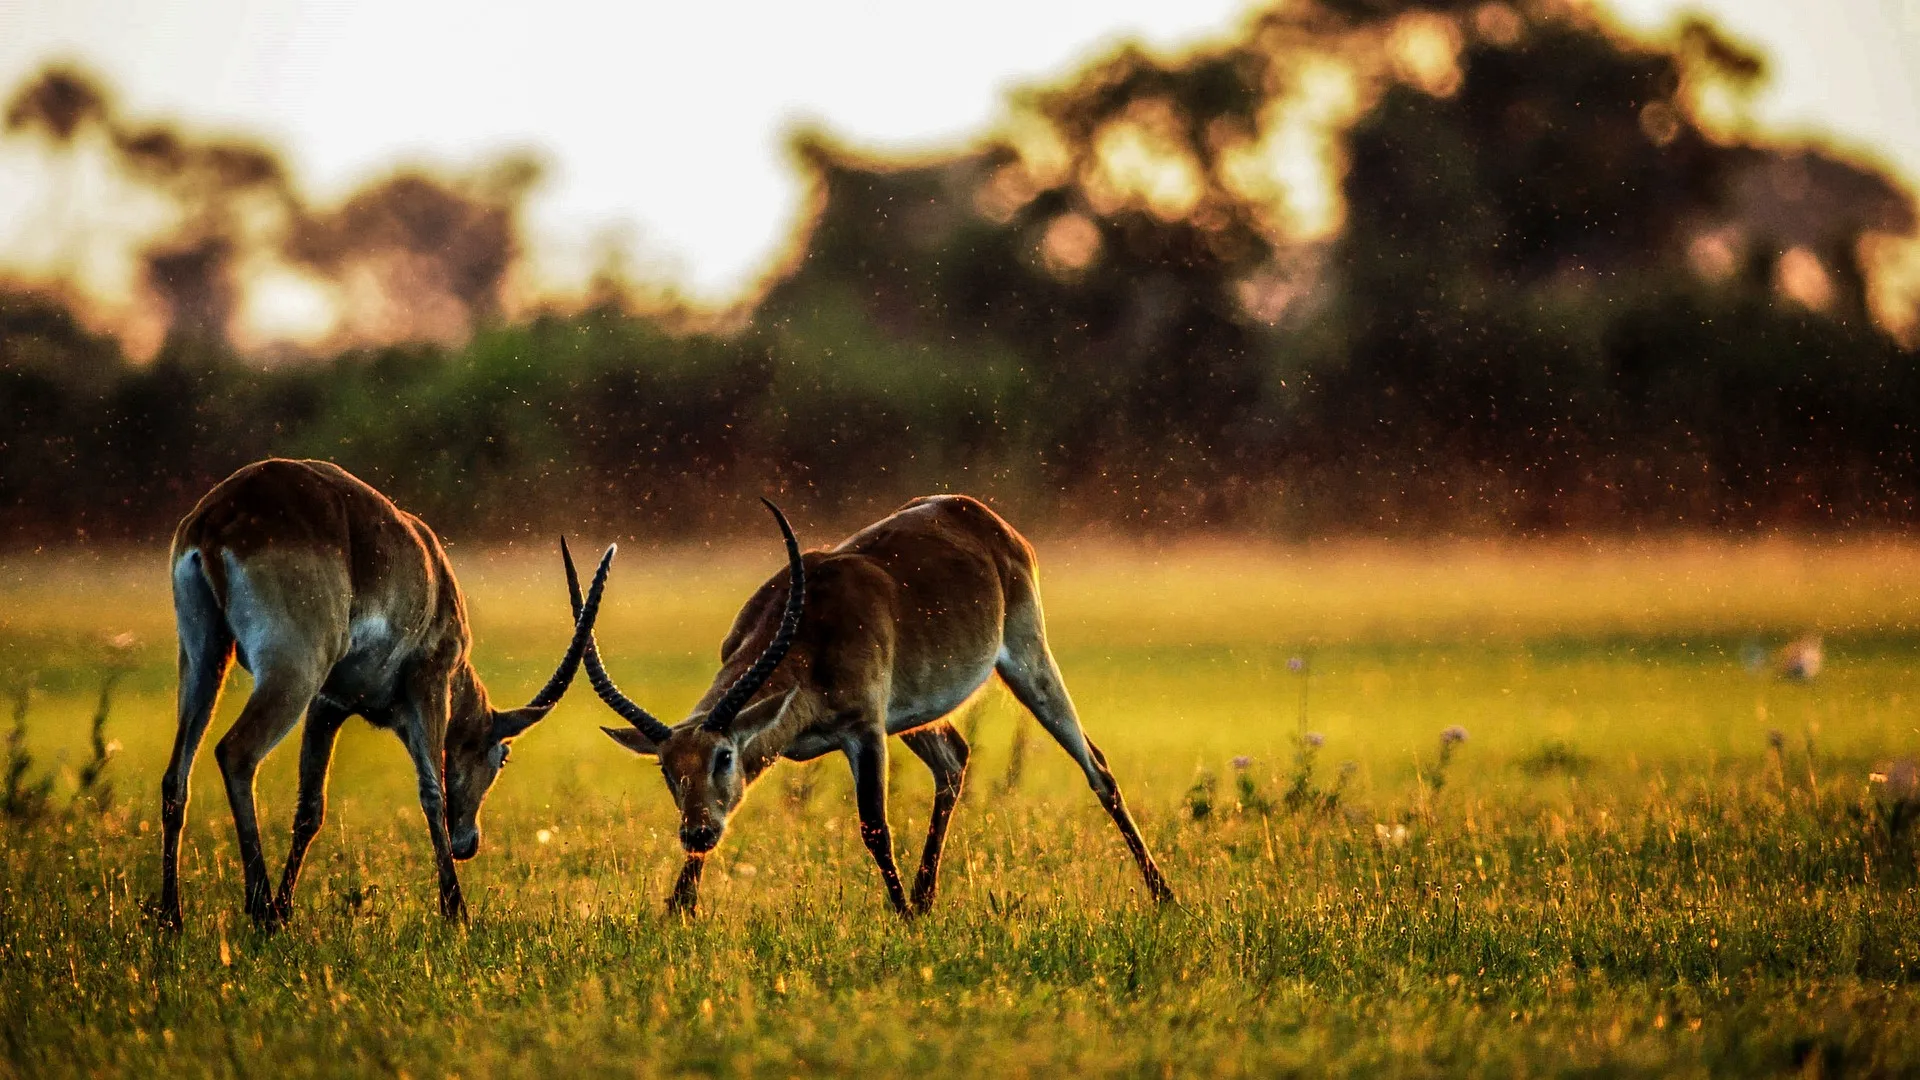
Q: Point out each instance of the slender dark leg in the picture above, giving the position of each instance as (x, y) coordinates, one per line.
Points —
(1029, 670)
(206, 654)
(686, 887)
(423, 729)
(278, 700)
(316, 754)
(868, 756)
(944, 750)
(200, 679)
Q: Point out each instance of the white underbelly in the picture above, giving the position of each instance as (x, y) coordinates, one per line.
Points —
(909, 713)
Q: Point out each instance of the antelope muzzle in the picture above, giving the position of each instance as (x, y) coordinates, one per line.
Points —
(464, 843)
(699, 839)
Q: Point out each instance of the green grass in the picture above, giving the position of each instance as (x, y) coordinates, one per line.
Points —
(1617, 877)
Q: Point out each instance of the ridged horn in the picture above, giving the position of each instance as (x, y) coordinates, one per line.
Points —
(550, 694)
(720, 718)
(629, 710)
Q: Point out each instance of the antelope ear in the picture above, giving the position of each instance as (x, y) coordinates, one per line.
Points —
(762, 713)
(514, 722)
(633, 739)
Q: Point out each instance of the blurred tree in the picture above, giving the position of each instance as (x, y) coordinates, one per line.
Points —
(212, 185)
(1546, 289)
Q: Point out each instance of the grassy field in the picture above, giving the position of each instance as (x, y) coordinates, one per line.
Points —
(1621, 871)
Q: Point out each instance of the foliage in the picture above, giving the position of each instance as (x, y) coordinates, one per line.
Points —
(23, 800)
(1303, 790)
(1557, 756)
(1550, 301)
(1201, 794)
(26, 802)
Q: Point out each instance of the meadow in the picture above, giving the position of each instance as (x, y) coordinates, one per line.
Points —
(1652, 854)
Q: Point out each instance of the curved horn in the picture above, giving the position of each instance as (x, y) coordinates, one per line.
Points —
(603, 685)
(550, 694)
(722, 714)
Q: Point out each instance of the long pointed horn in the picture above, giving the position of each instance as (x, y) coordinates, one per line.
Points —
(721, 716)
(549, 694)
(629, 710)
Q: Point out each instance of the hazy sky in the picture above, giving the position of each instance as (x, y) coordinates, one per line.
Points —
(666, 120)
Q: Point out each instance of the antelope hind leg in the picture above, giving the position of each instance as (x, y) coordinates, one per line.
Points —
(1028, 668)
(945, 752)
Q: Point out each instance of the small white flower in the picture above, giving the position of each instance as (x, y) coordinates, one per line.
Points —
(545, 836)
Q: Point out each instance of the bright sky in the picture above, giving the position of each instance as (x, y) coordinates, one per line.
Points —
(664, 121)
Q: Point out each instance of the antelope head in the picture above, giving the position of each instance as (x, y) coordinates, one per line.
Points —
(478, 748)
(706, 760)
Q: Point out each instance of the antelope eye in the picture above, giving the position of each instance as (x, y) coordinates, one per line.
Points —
(722, 760)
(497, 757)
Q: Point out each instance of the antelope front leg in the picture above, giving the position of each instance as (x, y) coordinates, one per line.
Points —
(686, 888)
(867, 753)
(424, 731)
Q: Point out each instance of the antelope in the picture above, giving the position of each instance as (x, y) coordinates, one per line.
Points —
(906, 620)
(339, 603)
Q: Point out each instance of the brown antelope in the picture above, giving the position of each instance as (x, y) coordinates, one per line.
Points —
(339, 603)
(906, 619)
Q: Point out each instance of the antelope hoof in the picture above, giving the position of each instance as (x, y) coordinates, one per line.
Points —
(267, 921)
(165, 915)
(263, 916)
